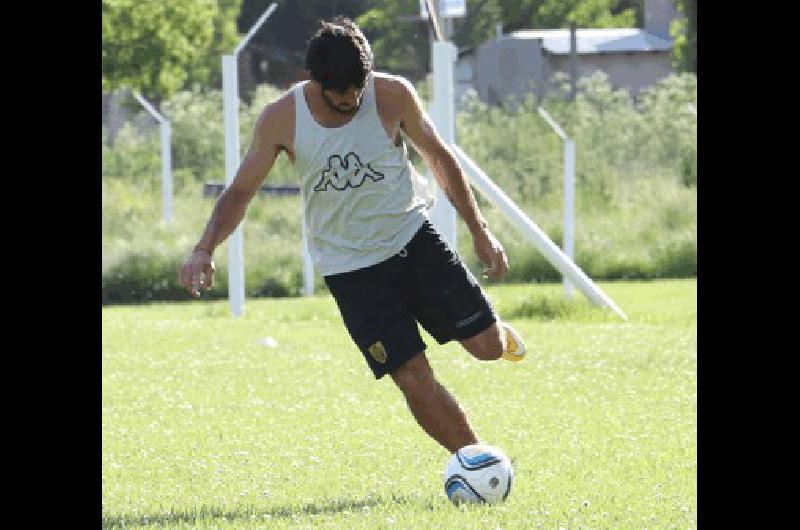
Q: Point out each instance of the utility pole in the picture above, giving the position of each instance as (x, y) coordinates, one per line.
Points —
(573, 61)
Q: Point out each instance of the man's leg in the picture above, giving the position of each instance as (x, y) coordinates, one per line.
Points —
(493, 342)
(450, 303)
(434, 408)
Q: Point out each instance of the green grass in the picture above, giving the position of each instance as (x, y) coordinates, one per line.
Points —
(204, 427)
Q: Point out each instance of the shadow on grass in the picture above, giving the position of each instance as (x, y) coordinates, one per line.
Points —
(250, 514)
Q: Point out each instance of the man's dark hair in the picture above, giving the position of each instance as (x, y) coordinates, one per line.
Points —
(338, 55)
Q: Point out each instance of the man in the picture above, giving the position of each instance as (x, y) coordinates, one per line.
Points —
(366, 215)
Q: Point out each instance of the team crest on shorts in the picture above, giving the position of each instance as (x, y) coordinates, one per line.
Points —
(378, 352)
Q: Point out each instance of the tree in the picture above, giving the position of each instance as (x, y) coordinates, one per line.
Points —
(400, 39)
(555, 14)
(225, 38)
(282, 44)
(293, 22)
(160, 47)
(684, 33)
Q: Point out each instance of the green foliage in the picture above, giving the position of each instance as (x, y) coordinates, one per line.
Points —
(550, 306)
(293, 22)
(401, 43)
(684, 34)
(225, 38)
(141, 254)
(134, 156)
(198, 154)
(552, 14)
(198, 136)
(479, 24)
(636, 172)
(160, 47)
(142, 278)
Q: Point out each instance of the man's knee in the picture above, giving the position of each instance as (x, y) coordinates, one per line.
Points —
(486, 345)
(414, 376)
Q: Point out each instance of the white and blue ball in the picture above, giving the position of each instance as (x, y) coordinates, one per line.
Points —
(478, 473)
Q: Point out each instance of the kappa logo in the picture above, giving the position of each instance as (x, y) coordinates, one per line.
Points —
(378, 352)
(347, 172)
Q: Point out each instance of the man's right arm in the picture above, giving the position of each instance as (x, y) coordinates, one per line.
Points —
(230, 208)
(232, 203)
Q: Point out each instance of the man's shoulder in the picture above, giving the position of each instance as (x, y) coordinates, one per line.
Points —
(391, 83)
(276, 120)
(393, 89)
(283, 106)
(280, 112)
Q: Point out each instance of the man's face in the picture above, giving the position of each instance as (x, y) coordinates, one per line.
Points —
(346, 102)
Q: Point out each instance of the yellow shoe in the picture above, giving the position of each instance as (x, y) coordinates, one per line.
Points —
(515, 351)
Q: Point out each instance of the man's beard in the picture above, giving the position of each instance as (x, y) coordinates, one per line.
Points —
(342, 108)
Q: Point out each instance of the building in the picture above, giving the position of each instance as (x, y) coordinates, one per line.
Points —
(521, 62)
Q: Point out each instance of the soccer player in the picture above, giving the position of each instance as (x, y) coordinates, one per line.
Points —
(366, 215)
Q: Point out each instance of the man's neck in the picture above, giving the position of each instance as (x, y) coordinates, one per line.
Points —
(325, 116)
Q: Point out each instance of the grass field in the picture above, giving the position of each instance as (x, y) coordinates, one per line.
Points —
(205, 426)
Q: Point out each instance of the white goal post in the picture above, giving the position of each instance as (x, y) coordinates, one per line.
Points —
(166, 157)
(230, 111)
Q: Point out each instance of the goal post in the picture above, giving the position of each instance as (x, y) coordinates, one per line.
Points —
(569, 192)
(230, 111)
(166, 157)
(442, 112)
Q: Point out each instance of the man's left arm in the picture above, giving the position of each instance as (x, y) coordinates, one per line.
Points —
(451, 178)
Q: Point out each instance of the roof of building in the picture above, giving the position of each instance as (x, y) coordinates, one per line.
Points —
(556, 41)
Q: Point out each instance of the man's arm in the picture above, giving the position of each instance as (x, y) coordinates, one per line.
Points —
(230, 208)
(450, 176)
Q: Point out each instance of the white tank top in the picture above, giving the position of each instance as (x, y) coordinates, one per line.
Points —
(363, 200)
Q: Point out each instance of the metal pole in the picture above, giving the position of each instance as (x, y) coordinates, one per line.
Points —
(166, 170)
(442, 111)
(544, 244)
(166, 157)
(230, 110)
(549, 119)
(573, 61)
(434, 18)
(569, 193)
(569, 207)
(255, 27)
(308, 265)
(230, 107)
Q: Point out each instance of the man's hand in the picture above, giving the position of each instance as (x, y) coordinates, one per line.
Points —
(198, 271)
(491, 253)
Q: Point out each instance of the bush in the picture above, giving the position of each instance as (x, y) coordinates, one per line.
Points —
(142, 278)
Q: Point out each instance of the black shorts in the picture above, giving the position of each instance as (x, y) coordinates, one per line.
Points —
(426, 282)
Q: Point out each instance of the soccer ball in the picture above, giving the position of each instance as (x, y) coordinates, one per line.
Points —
(478, 473)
